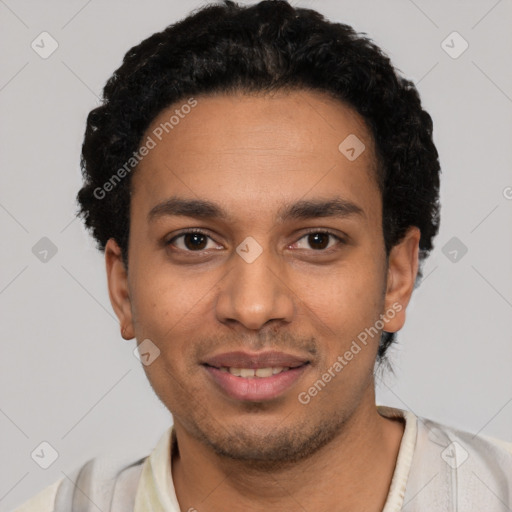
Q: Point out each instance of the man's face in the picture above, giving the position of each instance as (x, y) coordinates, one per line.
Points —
(308, 294)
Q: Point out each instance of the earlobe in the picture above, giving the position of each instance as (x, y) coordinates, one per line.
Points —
(402, 271)
(118, 289)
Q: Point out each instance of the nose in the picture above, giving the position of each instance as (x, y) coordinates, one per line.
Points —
(254, 293)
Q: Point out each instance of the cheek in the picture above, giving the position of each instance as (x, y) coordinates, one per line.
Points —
(348, 293)
(348, 308)
(163, 293)
(169, 312)
(171, 309)
(158, 304)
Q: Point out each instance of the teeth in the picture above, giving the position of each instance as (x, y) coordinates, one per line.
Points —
(264, 372)
(249, 373)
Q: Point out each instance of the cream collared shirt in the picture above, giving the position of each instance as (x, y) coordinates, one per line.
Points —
(438, 469)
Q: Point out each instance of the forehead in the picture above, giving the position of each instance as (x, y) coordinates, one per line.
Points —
(255, 150)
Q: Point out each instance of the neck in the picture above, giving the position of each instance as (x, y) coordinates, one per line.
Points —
(353, 471)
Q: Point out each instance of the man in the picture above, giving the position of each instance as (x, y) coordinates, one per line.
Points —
(265, 188)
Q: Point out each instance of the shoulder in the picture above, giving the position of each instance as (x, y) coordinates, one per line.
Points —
(107, 482)
(506, 446)
(453, 467)
(484, 449)
(44, 501)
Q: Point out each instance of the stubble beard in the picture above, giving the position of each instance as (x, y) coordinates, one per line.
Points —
(273, 449)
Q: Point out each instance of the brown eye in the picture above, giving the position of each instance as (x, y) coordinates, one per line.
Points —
(319, 240)
(191, 241)
(194, 241)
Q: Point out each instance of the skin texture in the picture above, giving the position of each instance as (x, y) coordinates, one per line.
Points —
(253, 154)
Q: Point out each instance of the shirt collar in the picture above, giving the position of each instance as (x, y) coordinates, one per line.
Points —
(398, 485)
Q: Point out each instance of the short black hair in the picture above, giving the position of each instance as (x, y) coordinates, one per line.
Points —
(265, 47)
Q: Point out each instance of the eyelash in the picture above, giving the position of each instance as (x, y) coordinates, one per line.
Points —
(312, 231)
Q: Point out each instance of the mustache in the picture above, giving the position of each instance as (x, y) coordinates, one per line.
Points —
(285, 342)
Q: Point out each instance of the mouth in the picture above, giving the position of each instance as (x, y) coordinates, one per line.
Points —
(255, 377)
(251, 373)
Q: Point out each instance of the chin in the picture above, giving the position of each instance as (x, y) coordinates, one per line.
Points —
(270, 443)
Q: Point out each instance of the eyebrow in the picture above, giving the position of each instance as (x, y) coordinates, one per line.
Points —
(300, 210)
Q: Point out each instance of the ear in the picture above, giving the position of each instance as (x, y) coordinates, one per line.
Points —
(118, 288)
(402, 271)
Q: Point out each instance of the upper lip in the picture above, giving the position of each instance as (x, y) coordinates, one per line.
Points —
(240, 359)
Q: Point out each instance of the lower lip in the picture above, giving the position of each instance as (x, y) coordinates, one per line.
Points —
(256, 389)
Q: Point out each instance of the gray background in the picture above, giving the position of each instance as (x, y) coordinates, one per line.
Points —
(68, 377)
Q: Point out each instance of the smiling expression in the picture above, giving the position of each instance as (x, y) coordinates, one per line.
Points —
(256, 244)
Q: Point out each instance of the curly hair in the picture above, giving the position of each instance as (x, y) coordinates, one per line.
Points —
(228, 48)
